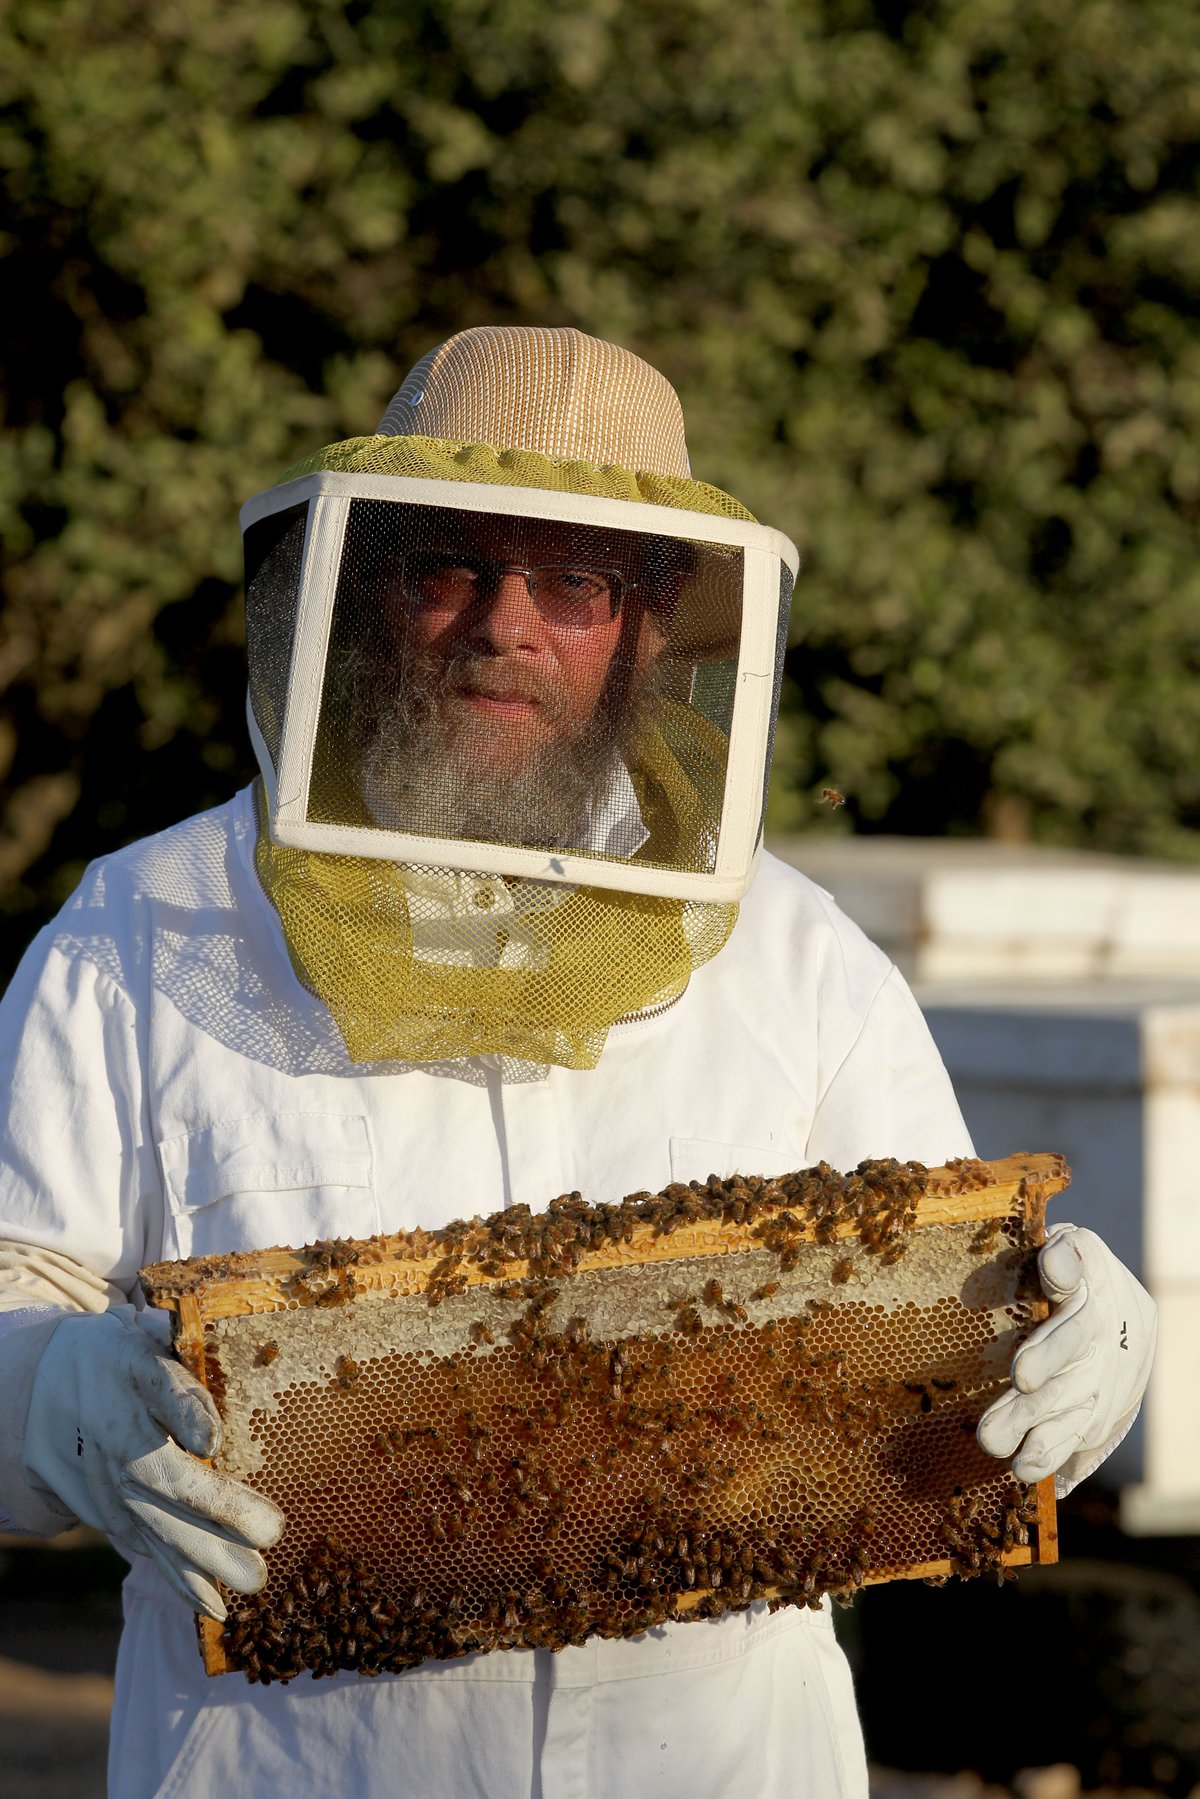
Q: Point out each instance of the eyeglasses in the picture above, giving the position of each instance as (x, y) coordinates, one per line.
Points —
(566, 596)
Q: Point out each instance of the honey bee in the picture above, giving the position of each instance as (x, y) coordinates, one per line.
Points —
(346, 1376)
(266, 1354)
(986, 1235)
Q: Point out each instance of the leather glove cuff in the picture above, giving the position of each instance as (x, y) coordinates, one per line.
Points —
(29, 1506)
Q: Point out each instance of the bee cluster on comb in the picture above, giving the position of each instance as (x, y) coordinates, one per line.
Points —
(535, 1428)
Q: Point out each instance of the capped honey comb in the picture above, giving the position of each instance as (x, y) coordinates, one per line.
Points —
(531, 1429)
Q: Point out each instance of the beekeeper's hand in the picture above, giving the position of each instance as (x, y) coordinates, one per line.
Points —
(1078, 1380)
(112, 1419)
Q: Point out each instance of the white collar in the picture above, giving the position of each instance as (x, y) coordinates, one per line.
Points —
(614, 825)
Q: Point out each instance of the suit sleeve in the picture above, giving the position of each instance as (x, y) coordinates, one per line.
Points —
(78, 1198)
(77, 1168)
(891, 1095)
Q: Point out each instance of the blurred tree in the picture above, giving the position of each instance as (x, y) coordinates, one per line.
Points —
(925, 276)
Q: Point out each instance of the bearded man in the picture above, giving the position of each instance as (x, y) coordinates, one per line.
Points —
(494, 925)
(522, 683)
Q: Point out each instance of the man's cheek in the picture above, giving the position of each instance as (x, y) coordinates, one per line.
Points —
(580, 691)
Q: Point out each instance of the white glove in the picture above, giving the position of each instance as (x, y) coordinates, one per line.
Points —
(1078, 1380)
(105, 1406)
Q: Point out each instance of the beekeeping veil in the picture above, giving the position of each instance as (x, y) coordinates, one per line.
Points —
(513, 676)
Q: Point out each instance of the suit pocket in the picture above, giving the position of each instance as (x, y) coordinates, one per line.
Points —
(270, 1179)
(695, 1158)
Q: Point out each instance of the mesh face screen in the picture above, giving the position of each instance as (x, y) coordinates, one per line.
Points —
(273, 551)
(532, 1429)
(529, 682)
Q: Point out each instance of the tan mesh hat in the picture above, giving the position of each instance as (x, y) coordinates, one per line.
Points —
(552, 390)
(569, 453)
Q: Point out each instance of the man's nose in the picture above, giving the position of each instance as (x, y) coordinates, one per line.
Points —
(509, 621)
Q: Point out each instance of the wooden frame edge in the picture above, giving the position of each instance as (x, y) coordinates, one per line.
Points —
(253, 1281)
(1047, 1521)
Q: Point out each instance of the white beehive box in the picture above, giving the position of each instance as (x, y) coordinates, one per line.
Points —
(951, 910)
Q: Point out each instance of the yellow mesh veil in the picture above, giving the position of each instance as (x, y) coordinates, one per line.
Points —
(580, 958)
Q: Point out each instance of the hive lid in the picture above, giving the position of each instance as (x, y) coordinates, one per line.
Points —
(957, 909)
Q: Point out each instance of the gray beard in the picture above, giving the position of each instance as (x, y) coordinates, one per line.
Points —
(427, 774)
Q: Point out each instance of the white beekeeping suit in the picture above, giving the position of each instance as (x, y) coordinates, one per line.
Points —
(493, 926)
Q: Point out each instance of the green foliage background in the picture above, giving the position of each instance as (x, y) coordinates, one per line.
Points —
(924, 275)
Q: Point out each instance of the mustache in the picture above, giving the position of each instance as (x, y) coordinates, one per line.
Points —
(497, 678)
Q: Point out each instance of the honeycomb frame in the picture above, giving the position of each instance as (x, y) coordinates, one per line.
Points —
(535, 1428)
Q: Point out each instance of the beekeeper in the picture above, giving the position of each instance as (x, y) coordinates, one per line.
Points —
(492, 926)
